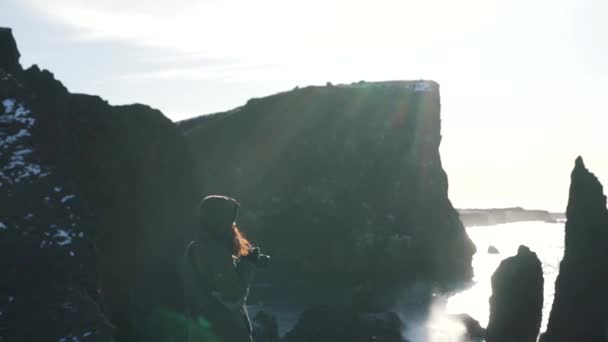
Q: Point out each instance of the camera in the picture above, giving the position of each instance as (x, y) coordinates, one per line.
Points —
(256, 257)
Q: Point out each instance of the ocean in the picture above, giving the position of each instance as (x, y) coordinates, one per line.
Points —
(436, 325)
(545, 239)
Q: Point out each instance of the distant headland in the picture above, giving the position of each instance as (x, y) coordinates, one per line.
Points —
(494, 216)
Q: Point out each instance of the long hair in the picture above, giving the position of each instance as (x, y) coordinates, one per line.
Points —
(241, 245)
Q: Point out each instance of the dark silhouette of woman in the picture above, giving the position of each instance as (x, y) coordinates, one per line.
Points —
(217, 275)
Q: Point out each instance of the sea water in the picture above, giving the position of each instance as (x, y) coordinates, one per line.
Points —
(545, 239)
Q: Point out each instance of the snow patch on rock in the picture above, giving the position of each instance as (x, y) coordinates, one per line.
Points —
(423, 86)
(62, 237)
(8, 105)
(67, 198)
(22, 152)
(11, 139)
(18, 164)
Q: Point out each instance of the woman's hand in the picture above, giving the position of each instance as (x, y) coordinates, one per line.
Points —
(256, 257)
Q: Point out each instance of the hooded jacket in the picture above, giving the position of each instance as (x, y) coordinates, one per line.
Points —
(215, 285)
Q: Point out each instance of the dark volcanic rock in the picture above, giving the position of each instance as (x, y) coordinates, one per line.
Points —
(579, 307)
(265, 327)
(326, 324)
(9, 54)
(342, 182)
(96, 205)
(517, 299)
(49, 287)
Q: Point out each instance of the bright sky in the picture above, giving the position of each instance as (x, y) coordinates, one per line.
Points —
(522, 81)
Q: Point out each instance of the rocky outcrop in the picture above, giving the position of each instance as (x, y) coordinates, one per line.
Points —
(517, 299)
(345, 325)
(493, 250)
(339, 182)
(579, 306)
(96, 207)
(9, 54)
(265, 327)
(489, 217)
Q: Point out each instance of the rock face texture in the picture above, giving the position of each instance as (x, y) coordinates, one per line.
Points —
(344, 325)
(95, 206)
(579, 308)
(342, 180)
(517, 299)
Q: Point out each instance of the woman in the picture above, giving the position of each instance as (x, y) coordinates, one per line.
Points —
(218, 268)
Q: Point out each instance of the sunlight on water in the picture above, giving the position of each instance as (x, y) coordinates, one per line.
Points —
(438, 323)
(439, 327)
(546, 239)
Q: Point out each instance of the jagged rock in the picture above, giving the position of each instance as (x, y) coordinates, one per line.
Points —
(97, 204)
(517, 299)
(265, 327)
(47, 256)
(339, 182)
(324, 324)
(579, 307)
(9, 54)
(493, 250)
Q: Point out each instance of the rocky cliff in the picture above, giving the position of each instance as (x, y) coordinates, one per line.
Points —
(95, 205)
(344, 181)
(579, 307)
(96, 201)
(516, 303)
